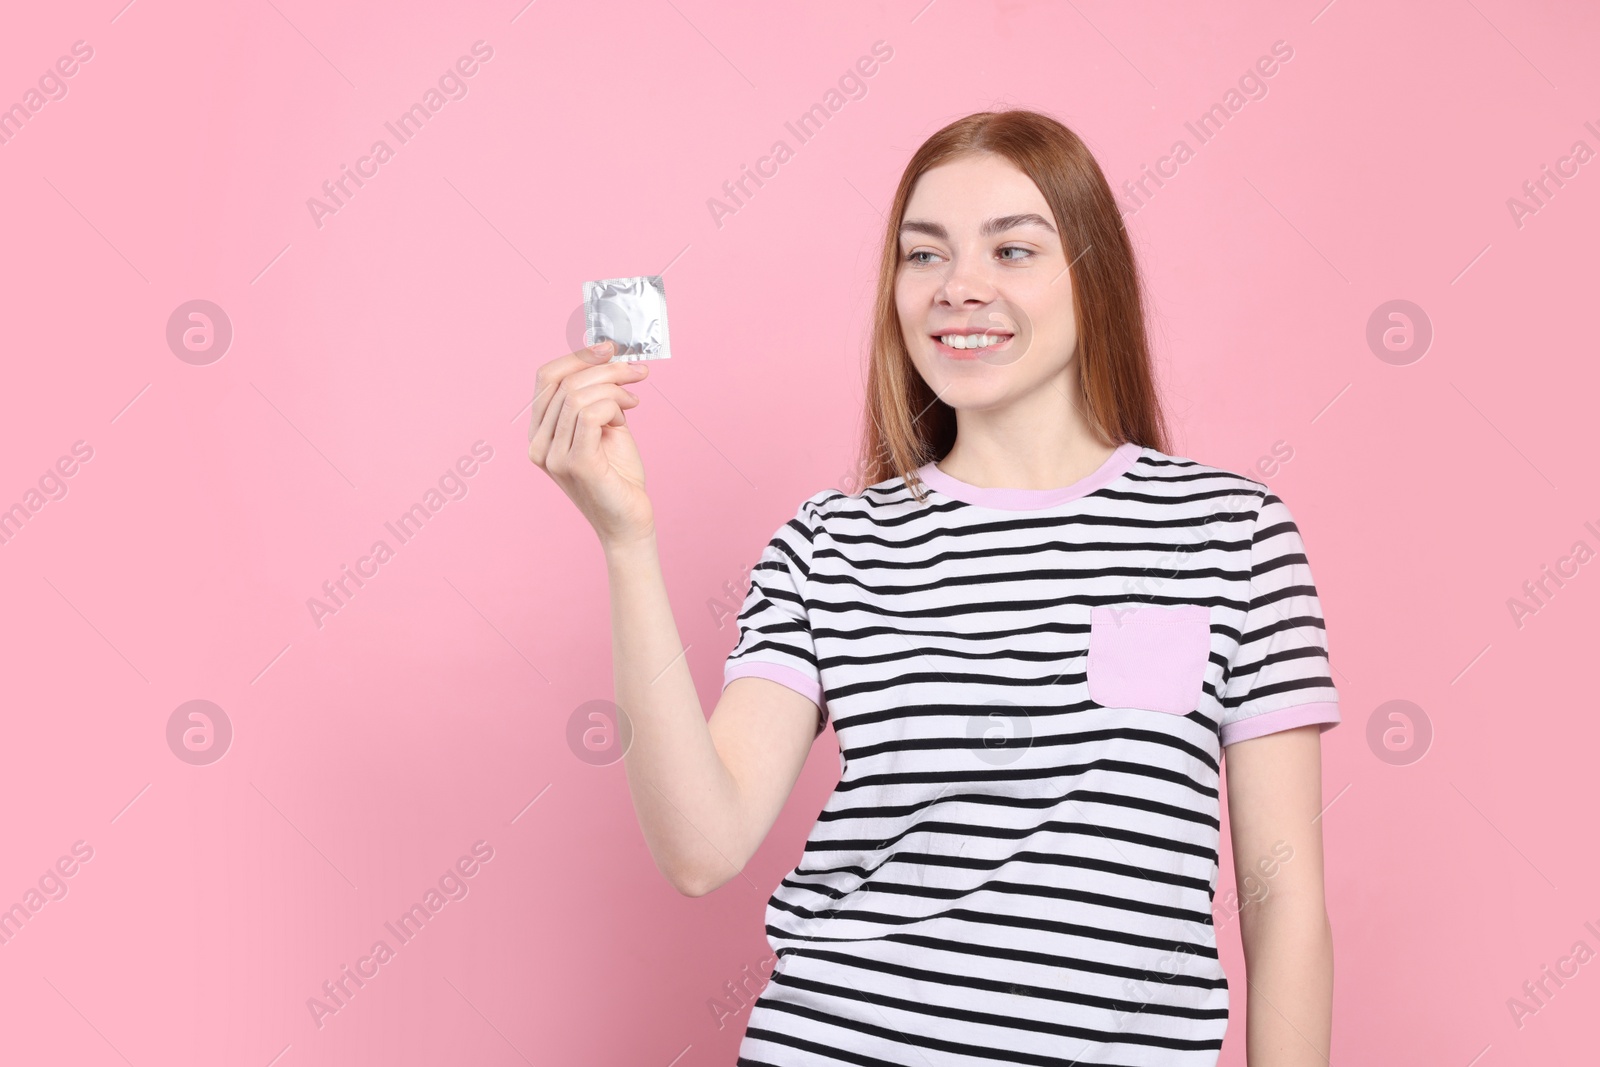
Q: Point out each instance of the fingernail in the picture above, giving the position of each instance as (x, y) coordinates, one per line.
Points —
(600, 348)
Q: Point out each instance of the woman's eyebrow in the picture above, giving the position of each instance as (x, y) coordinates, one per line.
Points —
(989, 228)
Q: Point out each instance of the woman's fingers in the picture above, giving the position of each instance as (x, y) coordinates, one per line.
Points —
(578, 398)
(555, 388)
(592, 422)
(575, 428)
(553, 373)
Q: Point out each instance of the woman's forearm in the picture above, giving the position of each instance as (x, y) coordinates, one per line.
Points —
(1289, 968)
(684, 797)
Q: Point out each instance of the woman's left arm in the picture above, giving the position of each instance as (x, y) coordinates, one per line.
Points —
(1274, 800)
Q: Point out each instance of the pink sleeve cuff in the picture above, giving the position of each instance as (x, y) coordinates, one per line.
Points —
(803, 684)
(1270, 722)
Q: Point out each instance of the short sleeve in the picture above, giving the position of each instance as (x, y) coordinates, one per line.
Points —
(775, 640)
(1279, 676)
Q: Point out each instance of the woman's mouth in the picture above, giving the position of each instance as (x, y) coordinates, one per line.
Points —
(971, 346)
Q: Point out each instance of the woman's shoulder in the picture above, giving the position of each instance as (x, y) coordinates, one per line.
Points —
(1154, 465)
(1180, 478)
(843, 503)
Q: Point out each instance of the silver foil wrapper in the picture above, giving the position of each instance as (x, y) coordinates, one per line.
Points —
(632, 313)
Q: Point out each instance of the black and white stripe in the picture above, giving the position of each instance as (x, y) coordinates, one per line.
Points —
(1009, 871)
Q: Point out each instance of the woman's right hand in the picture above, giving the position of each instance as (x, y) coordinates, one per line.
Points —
(579, 436)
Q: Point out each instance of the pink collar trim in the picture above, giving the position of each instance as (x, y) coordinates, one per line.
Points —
(1031, 499)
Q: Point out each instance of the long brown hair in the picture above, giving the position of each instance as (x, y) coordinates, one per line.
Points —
(907, 425)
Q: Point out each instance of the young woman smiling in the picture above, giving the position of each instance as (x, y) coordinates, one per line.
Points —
(1036, 634)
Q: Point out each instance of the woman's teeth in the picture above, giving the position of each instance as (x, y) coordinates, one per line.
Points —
(978, 340)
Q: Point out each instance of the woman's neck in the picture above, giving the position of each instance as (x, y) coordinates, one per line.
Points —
(1025, 459)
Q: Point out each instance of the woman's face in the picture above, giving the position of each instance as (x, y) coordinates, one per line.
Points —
(979, 255)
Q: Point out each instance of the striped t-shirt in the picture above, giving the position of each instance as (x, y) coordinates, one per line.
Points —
(1031, 690)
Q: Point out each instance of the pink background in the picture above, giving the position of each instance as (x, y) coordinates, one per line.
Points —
(431, 711)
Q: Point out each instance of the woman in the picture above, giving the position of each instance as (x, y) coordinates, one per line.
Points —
(1036, 634)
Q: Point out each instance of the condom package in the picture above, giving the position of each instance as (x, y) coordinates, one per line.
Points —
(632, 312)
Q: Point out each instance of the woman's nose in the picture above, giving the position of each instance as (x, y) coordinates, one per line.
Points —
(964, 283)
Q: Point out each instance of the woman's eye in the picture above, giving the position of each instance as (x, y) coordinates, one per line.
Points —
(911, 257)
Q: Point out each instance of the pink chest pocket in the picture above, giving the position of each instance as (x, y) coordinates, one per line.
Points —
(1149, 657)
